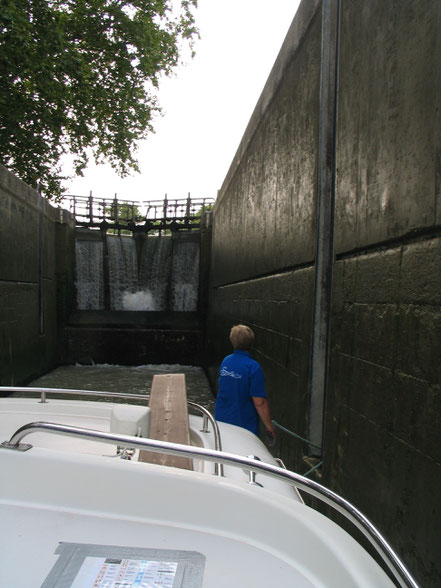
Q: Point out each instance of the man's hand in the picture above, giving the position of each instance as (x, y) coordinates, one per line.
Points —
(270, 438)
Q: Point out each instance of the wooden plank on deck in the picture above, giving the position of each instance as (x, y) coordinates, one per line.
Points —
(169, 419)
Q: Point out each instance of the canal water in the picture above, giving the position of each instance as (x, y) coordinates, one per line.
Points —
(127, 379)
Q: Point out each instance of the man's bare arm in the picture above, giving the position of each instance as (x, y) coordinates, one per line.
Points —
(263, 410)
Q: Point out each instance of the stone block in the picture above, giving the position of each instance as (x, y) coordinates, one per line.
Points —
(420, 541)
(341, 381)
(375, 333)
(418, 342)
(273, 344)
(416, 415)
(343, 333)
(420, 278)
(372, 393)
(338, 297)
(298, 356)
(378, 277)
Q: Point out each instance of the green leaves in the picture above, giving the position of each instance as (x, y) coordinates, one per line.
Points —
(79, 76)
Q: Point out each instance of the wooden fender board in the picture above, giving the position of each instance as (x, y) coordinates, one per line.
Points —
(169, 419)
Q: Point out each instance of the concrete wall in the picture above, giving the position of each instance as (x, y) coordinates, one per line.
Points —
(35, 285)
(264, 229)
(383, 401)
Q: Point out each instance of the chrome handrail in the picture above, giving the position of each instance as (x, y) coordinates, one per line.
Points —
(218, 468)
(352, 514)
(70, 392)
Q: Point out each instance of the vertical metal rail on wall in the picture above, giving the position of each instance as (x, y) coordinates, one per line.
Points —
(324, 260)
(41, 213)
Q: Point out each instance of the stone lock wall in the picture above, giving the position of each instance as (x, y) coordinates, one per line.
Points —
(383, 397)
(36, 281)
(264, 229)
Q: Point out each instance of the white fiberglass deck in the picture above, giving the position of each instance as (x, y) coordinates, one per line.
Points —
(249, 536)
(66, 494)
(16, 412)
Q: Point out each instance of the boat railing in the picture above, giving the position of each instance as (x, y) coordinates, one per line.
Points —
(339, 504)
(44, 392)
(207, 417)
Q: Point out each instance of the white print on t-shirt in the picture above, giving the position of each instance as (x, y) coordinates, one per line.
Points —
(225, 372)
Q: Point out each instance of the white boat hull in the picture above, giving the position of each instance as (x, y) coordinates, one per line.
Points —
(248, 537)
(82, 495)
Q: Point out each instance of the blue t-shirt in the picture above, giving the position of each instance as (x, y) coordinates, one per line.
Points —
(240, 378)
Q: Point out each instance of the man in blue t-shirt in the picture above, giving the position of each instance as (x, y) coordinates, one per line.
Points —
(241, 398)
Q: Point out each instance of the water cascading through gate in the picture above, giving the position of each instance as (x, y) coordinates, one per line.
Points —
(185, 276)
(166, 277)
(155, 271)
(123, 269)
(89, 270)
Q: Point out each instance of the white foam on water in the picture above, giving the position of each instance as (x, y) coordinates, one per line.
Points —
(141, 300)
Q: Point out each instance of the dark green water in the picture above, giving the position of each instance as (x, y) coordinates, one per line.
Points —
(127, 379)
